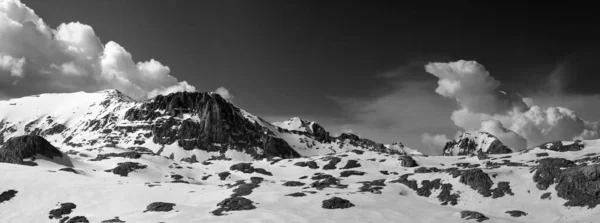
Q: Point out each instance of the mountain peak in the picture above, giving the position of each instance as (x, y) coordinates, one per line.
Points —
(470, 143)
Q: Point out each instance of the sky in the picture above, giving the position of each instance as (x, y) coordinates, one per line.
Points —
(366, 68)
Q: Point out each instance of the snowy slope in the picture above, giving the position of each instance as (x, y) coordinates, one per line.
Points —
(100, 195)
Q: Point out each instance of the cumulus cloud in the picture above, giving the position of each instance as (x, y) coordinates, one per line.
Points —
(224, 93)
(508, 137)
(516, 121)
(12, 65)
(35, 58)
(434, 142)
(471, 85)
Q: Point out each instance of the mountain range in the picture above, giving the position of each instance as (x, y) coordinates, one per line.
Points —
(195, 156)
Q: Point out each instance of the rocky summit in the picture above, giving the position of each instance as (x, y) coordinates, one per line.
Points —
(196, 157)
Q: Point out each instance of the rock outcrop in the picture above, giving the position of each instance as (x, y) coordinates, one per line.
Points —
(214, 125)
(558, 146)
(25, 147)
(473, 143)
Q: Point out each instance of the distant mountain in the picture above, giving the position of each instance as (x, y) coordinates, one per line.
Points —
(181, 125)
(472, 143)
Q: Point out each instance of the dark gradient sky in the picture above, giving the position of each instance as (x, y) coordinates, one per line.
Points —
(283, 58)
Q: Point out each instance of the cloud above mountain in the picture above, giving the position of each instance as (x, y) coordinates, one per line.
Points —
(224, 93)
(35, 58)
(515, 120)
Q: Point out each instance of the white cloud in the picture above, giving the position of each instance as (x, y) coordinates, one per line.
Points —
(69, 68)
(471, 85)
(434, 142)
(71, 58)
(516, 121)
(181, 86)
(12, 65)
(224, 93)
(506, 136)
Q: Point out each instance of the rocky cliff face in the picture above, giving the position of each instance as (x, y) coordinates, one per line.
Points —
(207, 122)
(26, 147)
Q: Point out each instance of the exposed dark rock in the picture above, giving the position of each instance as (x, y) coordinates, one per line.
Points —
(244, 189)
(462, 165)
(256, 180)
(477, 180)
(130, 155)
(224, 175)
(374, 186)
(69, 169)
(481, 155)
(191, 159)
(591, 158)
(123, 169)
(309, 164)
(424, 190)
(247, 168)
(337, 203)
(351, 164)
(7, 195)
(303, 177)
(114, 220)
(516, 213)
(331, 165)
(293, 184)
(263, 171)
(233, 204)
(501, 189)
(384, 172)
(297, 194)
(546, 196)
(78, 219)
(206, 177)
(142, 150)
(348, 173)
(220, 125)
(580, 186)
(320, 176)
(559, 147)
(58, 128)
(549, 169)
(407, 161)
(64, 209)
(327, 181)
(206, 163)
(426, 170)
(446, 196)
(359, 152)
(159, 207)
(541, 154)
(15, 149)
(468, 215)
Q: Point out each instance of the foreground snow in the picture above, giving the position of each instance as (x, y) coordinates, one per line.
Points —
(101, 195)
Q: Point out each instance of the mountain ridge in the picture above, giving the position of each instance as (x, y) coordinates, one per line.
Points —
(181, 125)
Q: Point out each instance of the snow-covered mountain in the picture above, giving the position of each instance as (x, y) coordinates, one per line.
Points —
(181, 125)
(194, 157)
(473, 143)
